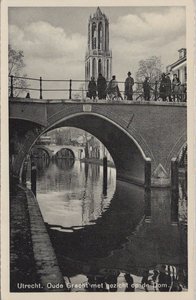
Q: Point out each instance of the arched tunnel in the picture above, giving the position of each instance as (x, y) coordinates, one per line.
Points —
(127, 155)
(65, 153)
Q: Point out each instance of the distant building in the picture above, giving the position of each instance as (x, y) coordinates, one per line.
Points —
(179, 67)
(98, 57)
(44, 140)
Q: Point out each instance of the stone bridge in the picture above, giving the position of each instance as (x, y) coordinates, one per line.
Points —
(142, 137)
(52, 150)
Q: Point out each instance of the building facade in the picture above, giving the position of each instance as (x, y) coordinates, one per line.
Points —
(98, 57)
(179, 67)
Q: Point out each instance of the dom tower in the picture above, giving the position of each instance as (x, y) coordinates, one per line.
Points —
(98, 58)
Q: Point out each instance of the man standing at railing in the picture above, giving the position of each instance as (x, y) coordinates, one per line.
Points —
(101, 86)
(129, 82)
(168, 87)
(163, 87)
(92, 87)
(146, 88)
(176, 88)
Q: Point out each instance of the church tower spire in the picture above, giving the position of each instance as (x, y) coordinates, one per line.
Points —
(98, 58)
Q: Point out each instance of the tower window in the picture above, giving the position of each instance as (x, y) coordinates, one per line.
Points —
(94, 36)
(107, 68)
(94, 71)
(100, 36)
(99, 66)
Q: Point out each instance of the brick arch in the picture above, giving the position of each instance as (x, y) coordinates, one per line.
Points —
(45, 149)
(127, 153)
(68, 149)
(106, 114)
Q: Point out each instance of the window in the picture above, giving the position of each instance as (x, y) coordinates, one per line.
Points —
(108, 68)
(94, 71)
(99, 66)
(185, 74)
(94, 36)
(100, 36)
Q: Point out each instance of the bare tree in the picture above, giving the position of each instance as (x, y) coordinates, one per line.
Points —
(16, 66)
(150, 67)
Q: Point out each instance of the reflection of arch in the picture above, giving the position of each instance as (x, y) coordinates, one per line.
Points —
(65, 164)
(65, 153)
(100, 36)
(42, 164)
(94, 36)
(94, 70)
(99, 66)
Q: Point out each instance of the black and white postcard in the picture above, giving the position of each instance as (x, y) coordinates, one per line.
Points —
(98, 164)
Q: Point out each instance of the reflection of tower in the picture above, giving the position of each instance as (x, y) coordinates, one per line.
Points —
(98, 57)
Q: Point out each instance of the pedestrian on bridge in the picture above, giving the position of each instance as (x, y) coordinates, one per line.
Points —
(113, 89)
(163, 87)
(92, 88)
(168, 88)
(101, 86)
(129, 82)
(176, 88)
(146, 89)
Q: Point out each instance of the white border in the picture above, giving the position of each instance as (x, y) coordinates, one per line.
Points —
(4, 150)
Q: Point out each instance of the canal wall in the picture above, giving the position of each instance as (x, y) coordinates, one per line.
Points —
(33, 261)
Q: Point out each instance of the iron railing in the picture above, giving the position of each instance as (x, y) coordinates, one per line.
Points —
(71, 89)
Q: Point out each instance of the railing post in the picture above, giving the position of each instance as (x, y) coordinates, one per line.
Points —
(155, 93)
(70, 86)
(40, 82)
(33, 178)
(147, 170)
(105, 175)
(12, 87)
(174, 174)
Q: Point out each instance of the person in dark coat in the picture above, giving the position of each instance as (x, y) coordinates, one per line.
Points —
(101, 86)
(146, 89)
(168, 88)
(176, 88)
(92, 88)
(129, 82)
(163, 87)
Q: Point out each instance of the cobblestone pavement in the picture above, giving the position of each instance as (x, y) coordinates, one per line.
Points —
(22, 264)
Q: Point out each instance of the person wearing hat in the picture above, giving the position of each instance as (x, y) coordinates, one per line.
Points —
(129, 82)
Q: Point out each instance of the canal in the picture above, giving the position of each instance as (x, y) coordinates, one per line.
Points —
(114, 238)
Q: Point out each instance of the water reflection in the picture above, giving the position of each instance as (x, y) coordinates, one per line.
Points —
(64, 164)
(128, 240)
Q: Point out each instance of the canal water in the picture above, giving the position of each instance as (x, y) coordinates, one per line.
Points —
(114, 238)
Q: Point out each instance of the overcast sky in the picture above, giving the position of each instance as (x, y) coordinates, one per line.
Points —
(54, 40)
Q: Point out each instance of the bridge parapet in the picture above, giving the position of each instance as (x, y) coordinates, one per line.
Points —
(74, 89)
